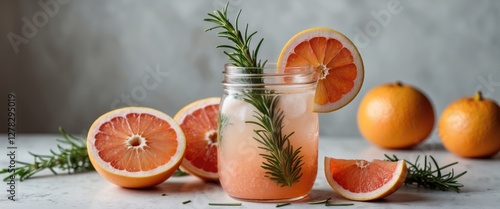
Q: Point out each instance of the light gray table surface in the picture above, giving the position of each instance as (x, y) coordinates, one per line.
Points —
(89, 190)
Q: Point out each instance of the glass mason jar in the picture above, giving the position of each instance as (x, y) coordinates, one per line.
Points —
(268, 133)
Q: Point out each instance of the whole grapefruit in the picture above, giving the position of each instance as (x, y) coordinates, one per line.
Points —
(470, 127)
(395, 116)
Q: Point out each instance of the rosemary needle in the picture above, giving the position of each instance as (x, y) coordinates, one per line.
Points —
(186, 202)
(283, 204)
(225, 204)
(339, 204)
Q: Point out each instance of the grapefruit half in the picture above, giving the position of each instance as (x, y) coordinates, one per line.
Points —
(198, 121)
(135, 147)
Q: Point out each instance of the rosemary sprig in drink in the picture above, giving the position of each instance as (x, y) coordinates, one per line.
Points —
(283, 163)
(429, 174)
(72, 160)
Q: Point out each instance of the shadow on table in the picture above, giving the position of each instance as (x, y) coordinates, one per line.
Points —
(496, 157)
(320, 194)
(186, 184)
(171, 190)
(404, 195)
(173, 185)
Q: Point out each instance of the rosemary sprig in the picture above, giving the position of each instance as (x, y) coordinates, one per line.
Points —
(73, 159)
(283, 163)
(429, 174)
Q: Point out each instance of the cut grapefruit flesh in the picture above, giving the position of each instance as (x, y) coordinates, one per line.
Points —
(361, 180)
(198, 121)
(338, 64)
(135, 147)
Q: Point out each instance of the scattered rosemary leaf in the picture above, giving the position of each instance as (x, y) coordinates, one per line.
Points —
(338, 204)
(225, 204)
(163, 194)
(327, 203)
(283, 204)
(186, 202)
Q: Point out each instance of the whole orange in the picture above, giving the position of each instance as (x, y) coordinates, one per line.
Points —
(470, 127)
(395, 116)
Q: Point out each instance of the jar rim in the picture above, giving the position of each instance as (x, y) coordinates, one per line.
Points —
(270, 69)
(269, 75)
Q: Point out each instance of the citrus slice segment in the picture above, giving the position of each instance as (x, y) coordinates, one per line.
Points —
(135, 147)
(337, 62)
(362, 180)
(198, 121)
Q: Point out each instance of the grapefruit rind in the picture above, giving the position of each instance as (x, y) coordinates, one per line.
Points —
(347, 43)
(140, 179)
(186, 165)
(387, 189)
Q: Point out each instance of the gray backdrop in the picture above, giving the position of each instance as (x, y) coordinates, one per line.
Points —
(70, 61)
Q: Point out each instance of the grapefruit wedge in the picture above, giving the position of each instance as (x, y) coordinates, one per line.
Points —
(361, 180)
(135, 147)
(338, 65)
(198, 121)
